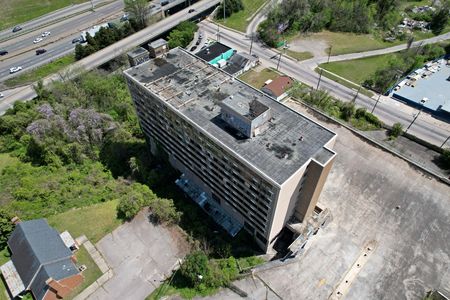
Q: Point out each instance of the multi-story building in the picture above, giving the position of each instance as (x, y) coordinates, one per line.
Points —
(249, 161)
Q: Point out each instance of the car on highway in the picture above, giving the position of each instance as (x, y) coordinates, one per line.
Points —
(17, 28)
(37, 40)
(191, 10)
(3, 52)
(46, 33)
(14, 70)
(77, 40)
(40, 51)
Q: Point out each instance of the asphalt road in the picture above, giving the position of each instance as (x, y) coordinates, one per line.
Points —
(389, 111)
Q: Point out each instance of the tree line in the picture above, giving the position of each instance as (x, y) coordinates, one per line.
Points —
(359, 16)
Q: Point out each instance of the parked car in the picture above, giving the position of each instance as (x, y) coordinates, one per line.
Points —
(191, 10)
(198, 42)
(14, 70)
(40, 51)
(1, 95)
(76, 40)
(37, 40)
(193, 48)
(17, 28)
(124, 18)
(46, 33)
(3, 52)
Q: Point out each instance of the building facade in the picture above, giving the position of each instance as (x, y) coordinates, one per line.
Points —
(247, 160)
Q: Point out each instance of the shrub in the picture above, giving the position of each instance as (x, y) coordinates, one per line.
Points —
(445, 159)
(164, 211)
(396, 130)
(347, 111)
(195, 269)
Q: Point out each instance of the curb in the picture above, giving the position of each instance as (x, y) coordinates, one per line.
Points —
(375, 142)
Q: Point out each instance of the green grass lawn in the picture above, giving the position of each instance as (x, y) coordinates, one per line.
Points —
(15, 12)
(240, 20)
(358, 70)
(299, 55)
(91, 274)
(40, 72)
(257, 79)
(95, 221)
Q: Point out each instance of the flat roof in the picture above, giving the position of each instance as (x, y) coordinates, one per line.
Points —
(212, 51)
(195, 90)
(138, 51)
(435, 87)
(158, 43)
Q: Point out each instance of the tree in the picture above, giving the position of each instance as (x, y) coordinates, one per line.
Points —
(6, 226)
(440, 19)
(195, 269)
(396, 130)
(164, 211)
(138, 12)
(231, 6)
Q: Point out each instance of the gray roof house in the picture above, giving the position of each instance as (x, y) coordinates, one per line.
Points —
(40, 262)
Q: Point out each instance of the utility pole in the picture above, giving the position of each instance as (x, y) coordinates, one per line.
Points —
(413, 121)
(320, 78)
(329, 53)
(373, 108)
(279, 59)
(445, 142)
(357, 93)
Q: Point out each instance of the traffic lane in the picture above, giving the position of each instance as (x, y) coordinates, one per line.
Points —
(78, 24)
(41, 21)
(30, 60)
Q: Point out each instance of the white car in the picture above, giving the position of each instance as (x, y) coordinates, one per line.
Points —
(44, 34)
(37, 40)
(14, 70)
(1, 95)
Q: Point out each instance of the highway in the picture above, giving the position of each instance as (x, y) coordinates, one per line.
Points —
(110, 52)
(64, 25)
(388, 110)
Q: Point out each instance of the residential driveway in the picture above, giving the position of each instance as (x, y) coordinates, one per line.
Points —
(141, 255)
(373, 196)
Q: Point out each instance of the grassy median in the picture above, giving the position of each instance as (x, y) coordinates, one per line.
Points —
(41, 72)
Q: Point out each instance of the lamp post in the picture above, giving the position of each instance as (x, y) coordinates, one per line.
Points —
(320, 78)
(417, 115)
(445, 142)
(329, 53)
(92, 5)
(373, 108)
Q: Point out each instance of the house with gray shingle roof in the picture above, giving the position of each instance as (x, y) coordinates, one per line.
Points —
(40, 262)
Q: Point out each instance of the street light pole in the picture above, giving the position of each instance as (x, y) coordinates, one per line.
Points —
(413, 121)
(92, 5)
(279, 59)
(251, 43)
(445, 142)
(357, 93)
(320, 78)
(329, 53)
(373, 108)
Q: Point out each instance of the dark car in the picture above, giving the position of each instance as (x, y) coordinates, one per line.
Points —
(40, 51)
(17, 28)
(3, 52)
(76, 40)
(193, 48)
(191, 10)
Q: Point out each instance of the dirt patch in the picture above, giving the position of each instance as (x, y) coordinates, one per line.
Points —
(305, 43)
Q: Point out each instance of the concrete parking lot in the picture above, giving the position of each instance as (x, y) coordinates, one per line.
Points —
(373, 196)
(141, 255)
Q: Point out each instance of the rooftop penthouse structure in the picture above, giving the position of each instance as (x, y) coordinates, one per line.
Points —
(249, 161)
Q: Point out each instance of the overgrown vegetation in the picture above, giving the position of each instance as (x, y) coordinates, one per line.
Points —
(396, 130)
(102, 39)
(361, 16)
(358, 118)
(201, 275)
(445, 159)
(182, 35)
(228, 7)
